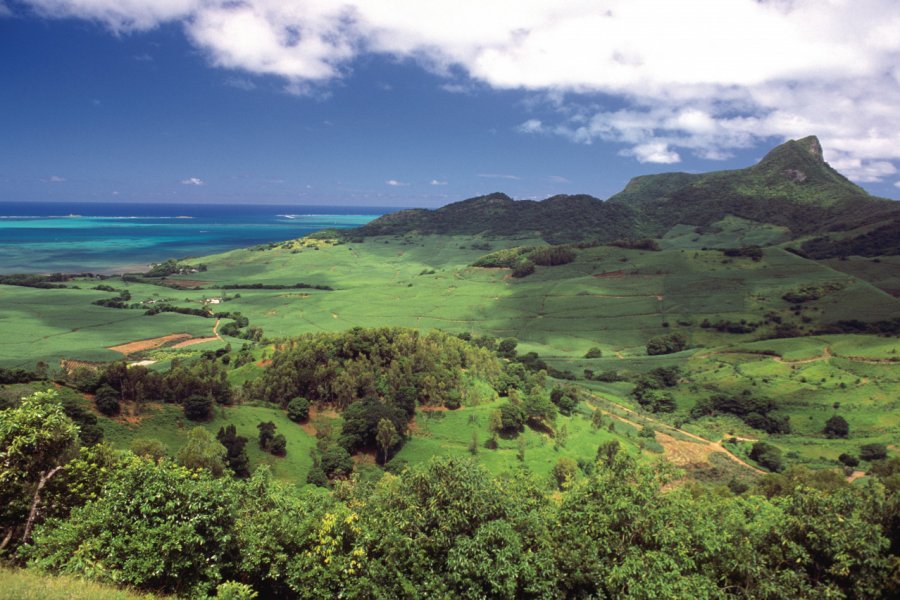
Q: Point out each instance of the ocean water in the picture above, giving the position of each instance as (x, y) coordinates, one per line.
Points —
(85, 237)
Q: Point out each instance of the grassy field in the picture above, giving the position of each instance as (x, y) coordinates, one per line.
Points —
(453, 433)
(609, 298)
(167, 424)
(21, 584)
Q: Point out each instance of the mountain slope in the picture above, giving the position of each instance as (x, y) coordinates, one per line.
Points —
(791, 187)
(557, 219)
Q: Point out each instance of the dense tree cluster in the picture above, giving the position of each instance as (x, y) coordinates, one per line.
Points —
(666, 344)
(650, 390)
(195, 386)
(399, 367)
(755, 411)
(449, 529)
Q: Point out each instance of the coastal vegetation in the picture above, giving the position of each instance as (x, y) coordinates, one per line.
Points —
(494, 399)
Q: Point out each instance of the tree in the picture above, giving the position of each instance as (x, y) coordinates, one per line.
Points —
(266, 433)
(298, 409)
(36, 440)
(836, 427)
(149, 448)
(539, 410)
(848, 460)
(202, 451)
(335, 461)
(507, 347)
(157, 526)
(564, 471)
(768, 456)
(278, 446)
(386, 437)
(512, 418)
(107, 401)
(666, 344)
(872, 452)
(523, 269)
(198, 408)
(235, 451)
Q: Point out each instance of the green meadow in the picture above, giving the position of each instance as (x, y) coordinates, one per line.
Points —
(609, 298)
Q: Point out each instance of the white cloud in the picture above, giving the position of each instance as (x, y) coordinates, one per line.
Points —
(531, 126)
(192, 181)
(395, 183)
(240, 83)
(697, 75)
(5, 11)
(653, 152)
(438, 182)
(558, 179)
(499, 176)
(56, 179)
(897, 184)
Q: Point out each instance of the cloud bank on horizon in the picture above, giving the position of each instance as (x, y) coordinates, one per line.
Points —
(660, 78)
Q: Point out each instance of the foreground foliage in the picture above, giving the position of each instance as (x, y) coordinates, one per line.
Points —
(449, 529)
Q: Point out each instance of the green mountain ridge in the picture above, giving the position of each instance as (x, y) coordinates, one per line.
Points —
(792, 187)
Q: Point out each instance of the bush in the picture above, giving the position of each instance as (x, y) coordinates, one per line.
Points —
(768, 456)
(523, 269)
(564, 471)
(317, 477)
(198, 408)
(872, 452)
(278, 445)
(233, 590)
(107, 401)
(848, 460)
(298, 409)
(512, 418)
(837, 427)
(594, 352)
(666, 344)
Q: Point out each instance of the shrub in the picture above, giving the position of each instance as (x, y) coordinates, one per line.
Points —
(298, 409)
(278, 445)
(666, 344)
(523, 269)
(233, 590)
(872, 452)
(848, 460)
(768, 456)
(512, 418)
(564, 471)
(837, 427)
(107, 401)
(198, 408)
(594, 352)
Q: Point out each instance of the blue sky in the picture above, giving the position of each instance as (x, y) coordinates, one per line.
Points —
(322, 102)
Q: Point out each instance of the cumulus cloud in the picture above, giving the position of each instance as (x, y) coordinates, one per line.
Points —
(395, 183)
(695, 76)
(192, 181)
(438, 182)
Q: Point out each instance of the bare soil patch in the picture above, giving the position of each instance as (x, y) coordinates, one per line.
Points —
(194, 341)
(610, 274)
(149, 344)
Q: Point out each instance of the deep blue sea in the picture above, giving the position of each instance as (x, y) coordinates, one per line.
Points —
(94, 237)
